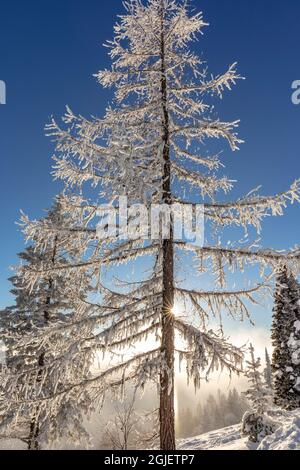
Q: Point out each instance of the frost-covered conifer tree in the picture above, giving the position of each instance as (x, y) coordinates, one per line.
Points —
(256, 394)
(286, 341)
(268, 371)
(40, 333)
(15, 322)
(256, 423)
(150, 148)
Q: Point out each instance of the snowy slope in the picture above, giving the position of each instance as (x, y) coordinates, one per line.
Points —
(13, 444)
(287, 437)
(223, 439)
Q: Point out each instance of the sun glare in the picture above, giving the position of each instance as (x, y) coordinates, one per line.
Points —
(176, 310)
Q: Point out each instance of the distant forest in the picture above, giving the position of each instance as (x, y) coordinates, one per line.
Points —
(215, 413)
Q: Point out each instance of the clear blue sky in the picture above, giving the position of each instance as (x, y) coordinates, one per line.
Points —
(49, 51)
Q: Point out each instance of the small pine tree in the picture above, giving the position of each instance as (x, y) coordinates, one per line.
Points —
(286, 340)
(256, 394)
(256, 424)
(268, 371)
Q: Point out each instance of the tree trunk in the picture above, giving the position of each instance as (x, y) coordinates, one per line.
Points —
(167, 415)
(33, 443)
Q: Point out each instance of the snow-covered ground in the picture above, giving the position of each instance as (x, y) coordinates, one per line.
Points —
(12, 444)
(223, 439)
(287, 437)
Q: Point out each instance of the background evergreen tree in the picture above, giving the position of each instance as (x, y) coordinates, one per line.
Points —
(286, 341)
(256, 394)
(256, 424)
(214, 412)
(268, 371)
(43, 356)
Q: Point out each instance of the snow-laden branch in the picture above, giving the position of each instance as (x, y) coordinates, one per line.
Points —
(210, 129)
(214, 302)
(207, 352)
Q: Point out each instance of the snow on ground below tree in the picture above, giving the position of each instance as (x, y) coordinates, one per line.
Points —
(12, 444)
(222, 439)
(287, 437)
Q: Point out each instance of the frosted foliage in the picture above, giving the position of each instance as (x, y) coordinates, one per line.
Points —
(286, 341)
(257, 424)
(257, 427)
(163, 102)
(42, 333)
(268, 372)
(257, 393)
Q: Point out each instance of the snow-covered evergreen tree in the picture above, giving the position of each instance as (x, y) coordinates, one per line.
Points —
(150, 147)
(256, 423)
(15, 321)
(43, 352)
(286, 341)
(256, 394)
(268, 371)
